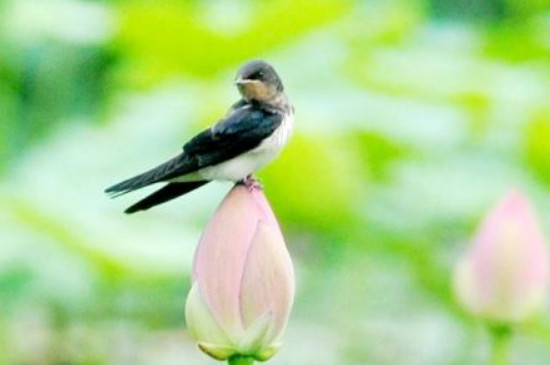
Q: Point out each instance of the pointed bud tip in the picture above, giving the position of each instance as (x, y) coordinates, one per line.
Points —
(515, 201)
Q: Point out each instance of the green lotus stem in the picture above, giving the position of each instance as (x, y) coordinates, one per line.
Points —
(501, 337)
(240, 360)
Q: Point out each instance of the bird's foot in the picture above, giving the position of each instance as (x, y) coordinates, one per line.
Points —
(251, 183)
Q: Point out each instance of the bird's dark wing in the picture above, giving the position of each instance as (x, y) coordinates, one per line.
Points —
(242, 130)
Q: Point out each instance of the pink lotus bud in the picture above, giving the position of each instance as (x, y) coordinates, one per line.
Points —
(504, 275)
(243, 281)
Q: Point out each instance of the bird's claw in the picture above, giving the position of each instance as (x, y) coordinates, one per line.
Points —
(251, 183)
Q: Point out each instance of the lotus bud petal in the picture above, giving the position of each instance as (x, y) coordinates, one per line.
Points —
(504, 275)
(243, 280)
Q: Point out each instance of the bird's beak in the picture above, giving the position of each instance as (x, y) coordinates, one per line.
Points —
(240, 81)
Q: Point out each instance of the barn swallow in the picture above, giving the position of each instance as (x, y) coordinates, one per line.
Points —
(251, 135)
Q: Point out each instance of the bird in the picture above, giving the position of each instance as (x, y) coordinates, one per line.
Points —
(252, 133)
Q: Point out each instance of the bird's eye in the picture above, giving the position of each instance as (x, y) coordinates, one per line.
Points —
(257, 75)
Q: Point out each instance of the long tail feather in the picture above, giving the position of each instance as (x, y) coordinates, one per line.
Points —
(157, 174)
(168, 192)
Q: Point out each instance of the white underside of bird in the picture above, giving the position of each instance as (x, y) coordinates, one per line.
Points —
(240, 167)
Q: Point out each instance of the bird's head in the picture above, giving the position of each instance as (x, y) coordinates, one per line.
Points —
(257, 80)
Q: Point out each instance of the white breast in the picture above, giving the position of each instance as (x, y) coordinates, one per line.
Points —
(247, 163)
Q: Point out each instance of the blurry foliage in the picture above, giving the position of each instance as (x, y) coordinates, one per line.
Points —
(315, 182)
(377, 23)
(156, 36)
(470, 10)
(537, 141)
(68, 240)
(478, 105)
(495, 10)
(377, 153)
(52, 85)
(526, 36)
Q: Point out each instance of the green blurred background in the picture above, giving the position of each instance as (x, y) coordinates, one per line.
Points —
(412, 118)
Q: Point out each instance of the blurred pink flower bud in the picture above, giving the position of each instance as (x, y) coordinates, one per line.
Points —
(504, 275)
(243, 280)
